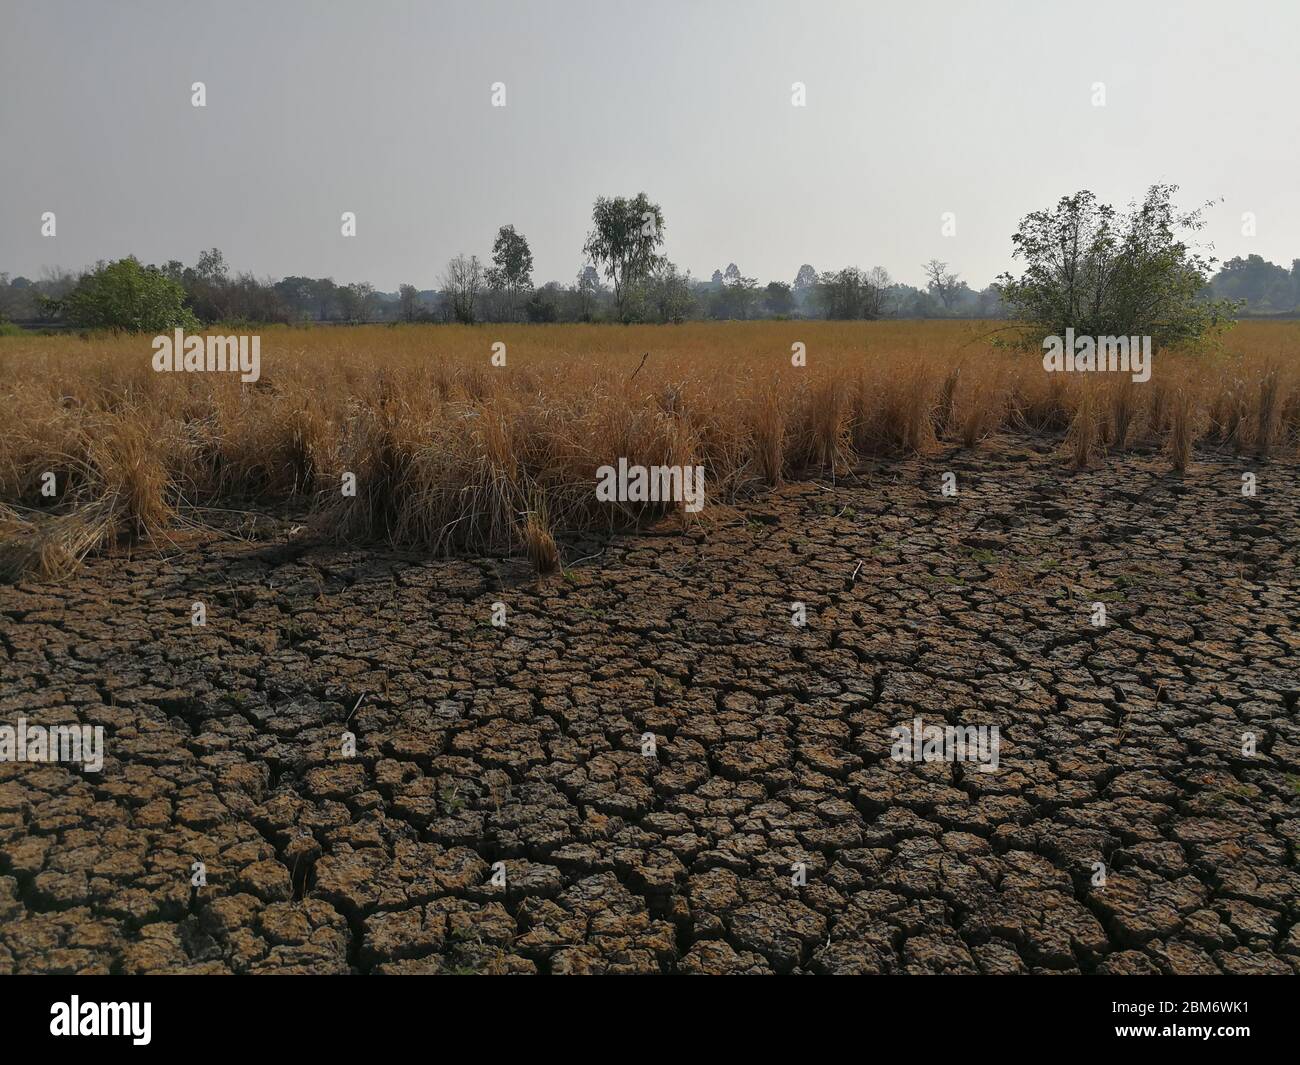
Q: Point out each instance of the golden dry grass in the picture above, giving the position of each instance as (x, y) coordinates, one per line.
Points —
(453, 454)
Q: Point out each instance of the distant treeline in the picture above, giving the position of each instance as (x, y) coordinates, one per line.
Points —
(216, 294)
(625, 279)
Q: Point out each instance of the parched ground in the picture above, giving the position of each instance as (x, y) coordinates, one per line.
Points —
(522, 744)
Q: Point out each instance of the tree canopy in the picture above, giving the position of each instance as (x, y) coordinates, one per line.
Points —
(1109, 273)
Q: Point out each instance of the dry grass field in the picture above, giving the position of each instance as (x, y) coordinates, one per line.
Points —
(453, 454)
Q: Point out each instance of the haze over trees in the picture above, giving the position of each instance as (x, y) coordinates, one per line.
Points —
(942, 282)
(1114, 269)
(1261, 286)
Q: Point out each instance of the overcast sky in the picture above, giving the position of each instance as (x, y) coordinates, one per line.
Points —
(384, 108)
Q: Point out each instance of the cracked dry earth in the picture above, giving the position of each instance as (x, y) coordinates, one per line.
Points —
(522, 744)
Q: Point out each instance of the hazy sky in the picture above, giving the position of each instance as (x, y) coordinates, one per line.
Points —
(384, 108)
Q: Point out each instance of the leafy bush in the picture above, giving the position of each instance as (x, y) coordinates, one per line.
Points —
(126, 297)
(1110, 274)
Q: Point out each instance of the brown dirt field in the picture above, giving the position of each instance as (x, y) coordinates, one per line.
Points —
(522, 744)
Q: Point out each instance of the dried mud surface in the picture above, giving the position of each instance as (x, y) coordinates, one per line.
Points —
(522, 744)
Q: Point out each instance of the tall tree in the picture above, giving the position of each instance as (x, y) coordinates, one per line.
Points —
(875, 296)
(462, 281)
(626, 235)
(408, 297)
(942, 282)
(511, 271)
(588, 289)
